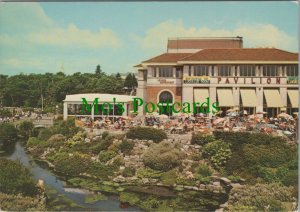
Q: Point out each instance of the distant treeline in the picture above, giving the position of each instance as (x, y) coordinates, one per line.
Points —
(28, 90)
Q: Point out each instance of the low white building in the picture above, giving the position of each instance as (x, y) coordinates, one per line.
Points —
(75, 107)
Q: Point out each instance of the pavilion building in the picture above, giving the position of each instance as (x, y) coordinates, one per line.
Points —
(252, 79)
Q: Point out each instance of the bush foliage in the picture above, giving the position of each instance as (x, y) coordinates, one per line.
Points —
(126, 146)
(218, 153)
(261, 157)
(16, 179)
(146, 133)
(260, 197)
(163, 156)
(200, 139)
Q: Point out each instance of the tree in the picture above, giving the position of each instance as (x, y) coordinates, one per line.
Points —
(26, 128)
(8, 133)
(130, 81)
(134, 81)
(118, 76)
(98, 70)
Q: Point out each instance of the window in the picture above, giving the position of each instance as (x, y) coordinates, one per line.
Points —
(292, 71)
(178, 72)
(200, 70)
(247, 70)
(224, 70)
(190, 71)
(165, 72)
(270, 71)
(165, 96)
(154, 72)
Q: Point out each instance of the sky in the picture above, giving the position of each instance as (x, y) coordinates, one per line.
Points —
(76, 36)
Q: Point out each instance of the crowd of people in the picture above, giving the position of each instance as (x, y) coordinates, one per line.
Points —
(282, 125)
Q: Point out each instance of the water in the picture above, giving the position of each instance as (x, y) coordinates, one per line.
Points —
(77, 195)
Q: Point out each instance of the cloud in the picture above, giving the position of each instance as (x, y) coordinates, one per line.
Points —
(254, 35)
(73, 36)
(19, 63)
(28, 23)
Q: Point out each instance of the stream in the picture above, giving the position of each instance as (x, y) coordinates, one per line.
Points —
(60, 189)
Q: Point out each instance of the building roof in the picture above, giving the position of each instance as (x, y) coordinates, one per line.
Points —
(102, 97)
(205, 43)
(138, 66)
(243, 54)
(227, 54)
(168, 58)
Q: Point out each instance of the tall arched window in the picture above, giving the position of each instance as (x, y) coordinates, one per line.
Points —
(165, 96)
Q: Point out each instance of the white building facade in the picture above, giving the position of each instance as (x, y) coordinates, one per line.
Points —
(252, 79)
(107, 105)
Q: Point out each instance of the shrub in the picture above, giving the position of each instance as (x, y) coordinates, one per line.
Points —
(203, 170)
(26, 128)
(126, 146)
(73, 164)
(291, 178)
(268, 155)
(45, 134)
(18, 202)
(15, 178)
(105, 134)
(259, 156)
(5, 113)
(66, 128)
(105, 156)
(163, 156)
(8, 133)
(101, 145)
(201, 139)
(146, 133)
(169, 177)
(35, 142)
(218, 153)
(129, 172)
(148, 173)
(234, 179)
(102, 171)
(56, 140)
(261, 196)
(129, 197)
(118, 161)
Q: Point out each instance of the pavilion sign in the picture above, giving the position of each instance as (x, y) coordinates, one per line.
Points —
(196, 80)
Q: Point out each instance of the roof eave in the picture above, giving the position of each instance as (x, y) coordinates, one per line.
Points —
(237, 62)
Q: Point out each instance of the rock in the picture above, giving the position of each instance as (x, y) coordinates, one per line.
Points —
(202, 186)
(236, 185)
(225, 205)
(196, 146)
(153, 180)
(132, 179)
(119, 179)
(122, 168)
(225, 180)
(145, 180)
(188, 187)
(219, 210)
(96, 138)
(216, 183)
(195, 188)
(87, 140)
